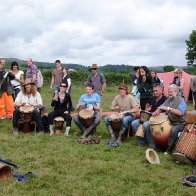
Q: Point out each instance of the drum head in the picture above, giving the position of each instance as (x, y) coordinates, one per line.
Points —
(26, 108)
(85, 114)
(181, 158)
(162, 117)
(59, 118)
(115, 117)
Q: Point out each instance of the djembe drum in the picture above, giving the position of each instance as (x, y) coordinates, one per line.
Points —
(5, 172)
(116, 122)
(58, 125)
(185, 150)
(86, 117)
(161, 130)
(25, 121)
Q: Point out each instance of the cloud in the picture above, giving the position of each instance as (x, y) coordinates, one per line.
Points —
(106, 32)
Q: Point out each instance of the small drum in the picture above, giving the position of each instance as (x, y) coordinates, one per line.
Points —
(145, 116)
(5, 172)
(26, 113)
(140, 131)
(58, 125)
(185, 151)
(87, 117)
(161, 130)
(25, 121)
(115, 121)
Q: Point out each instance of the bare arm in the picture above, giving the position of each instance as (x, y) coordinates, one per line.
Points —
(52, 82)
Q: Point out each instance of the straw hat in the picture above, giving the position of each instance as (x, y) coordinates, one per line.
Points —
(152, 156)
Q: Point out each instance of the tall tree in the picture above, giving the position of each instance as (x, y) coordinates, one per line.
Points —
(191, 49)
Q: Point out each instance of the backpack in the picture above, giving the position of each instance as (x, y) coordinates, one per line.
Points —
(40, 79)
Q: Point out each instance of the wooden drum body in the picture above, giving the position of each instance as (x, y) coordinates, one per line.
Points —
(116, 122)
(185, 151)
(145, 116)
(25, 122)
(87, 117)
(5, 172)
(58, 125)
(161, 130)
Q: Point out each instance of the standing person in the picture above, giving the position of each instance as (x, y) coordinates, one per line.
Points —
(127, 106)
(62, 105)
(193, 88)
(145, 86)
(31, 73)
(19, 78)
(135, 77)
(57, 76)
(175, 107)
(6, 92)
(157, 100)
(67, 79)
(97, 79)
(179, 81)
(91, 101)
(28, 96)
(155, 79)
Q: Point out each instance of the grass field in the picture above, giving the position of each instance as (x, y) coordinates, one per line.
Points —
(64, 167)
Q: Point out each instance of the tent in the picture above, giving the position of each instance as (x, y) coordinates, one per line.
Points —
(167, 78)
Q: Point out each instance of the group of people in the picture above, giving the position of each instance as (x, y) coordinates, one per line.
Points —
(147, 96)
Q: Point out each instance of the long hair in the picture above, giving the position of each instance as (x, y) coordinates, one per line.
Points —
(33, 90)
(148, 76)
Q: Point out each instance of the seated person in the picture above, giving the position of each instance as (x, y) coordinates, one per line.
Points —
(175, 107)
(126, 105)
(62, 104)
(90, 101)
(155, 102)
(28, 97)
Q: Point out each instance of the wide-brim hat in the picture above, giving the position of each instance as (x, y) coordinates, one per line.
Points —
(123, 86)
(94, 66)
(28, 81)
(152, 157)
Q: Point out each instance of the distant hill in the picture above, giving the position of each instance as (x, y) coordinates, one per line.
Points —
(105, 68)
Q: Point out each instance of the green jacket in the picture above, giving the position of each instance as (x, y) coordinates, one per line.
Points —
(145, 89)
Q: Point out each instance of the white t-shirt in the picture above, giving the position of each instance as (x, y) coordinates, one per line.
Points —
(21, 98)
(15, 83)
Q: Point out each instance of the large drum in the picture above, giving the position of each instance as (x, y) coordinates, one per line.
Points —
(116, 121)
(185, 151)
(87, 117)
(58, 125)
(161, 130)
(25, 121)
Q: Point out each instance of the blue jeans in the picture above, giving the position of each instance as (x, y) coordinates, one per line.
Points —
(147, 137)
(125, 122)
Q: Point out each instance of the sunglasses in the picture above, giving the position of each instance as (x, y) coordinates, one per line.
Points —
(63, 86)
(94, 68)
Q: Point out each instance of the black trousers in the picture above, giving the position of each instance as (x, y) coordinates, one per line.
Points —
(54, 114)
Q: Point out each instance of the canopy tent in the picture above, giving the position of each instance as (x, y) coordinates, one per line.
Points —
(167, 78)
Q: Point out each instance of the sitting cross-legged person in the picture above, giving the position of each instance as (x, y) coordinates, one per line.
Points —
(153, 104)
(89, 102)
(62, 104)
(29, 97)
(127, 107)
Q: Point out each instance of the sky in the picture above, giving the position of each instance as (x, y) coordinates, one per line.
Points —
(130, 32)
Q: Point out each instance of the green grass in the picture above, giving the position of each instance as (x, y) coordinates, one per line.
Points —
(64, 167)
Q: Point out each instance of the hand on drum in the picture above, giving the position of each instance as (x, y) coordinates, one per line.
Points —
(148, 107)
(157, 112)
(165, 108)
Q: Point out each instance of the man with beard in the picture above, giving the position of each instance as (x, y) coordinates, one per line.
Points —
(175, 107)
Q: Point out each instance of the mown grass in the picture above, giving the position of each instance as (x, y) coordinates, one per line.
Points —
(64, 167)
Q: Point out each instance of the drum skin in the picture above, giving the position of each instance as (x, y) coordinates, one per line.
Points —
(86, 117)
(161, 130)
